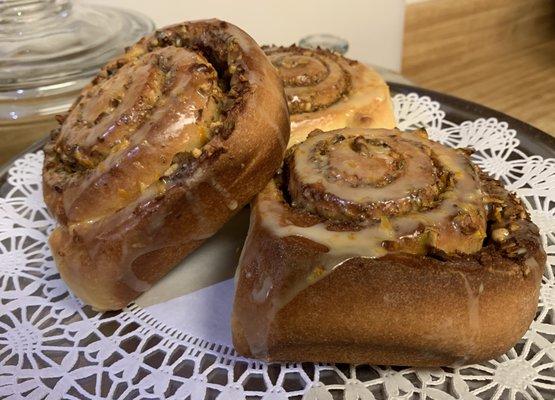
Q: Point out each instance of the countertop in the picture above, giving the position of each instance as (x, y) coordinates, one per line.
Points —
(521, 84)
(499, 53)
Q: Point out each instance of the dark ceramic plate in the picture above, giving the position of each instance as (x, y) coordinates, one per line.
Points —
(532, 140)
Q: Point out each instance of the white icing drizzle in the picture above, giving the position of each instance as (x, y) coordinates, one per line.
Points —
(368, 94)
(367, 242)
(261, 294)
(271, 212)
(395, 190)
(149, 144)
(168, 99)
(230, 202)
(473, 310)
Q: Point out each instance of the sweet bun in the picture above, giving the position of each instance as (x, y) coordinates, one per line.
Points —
(384, 247)
(166, 144)
(328, 91)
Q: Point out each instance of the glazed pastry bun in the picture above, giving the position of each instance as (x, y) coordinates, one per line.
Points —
(384, 247)
(328, 91)
(166, 144)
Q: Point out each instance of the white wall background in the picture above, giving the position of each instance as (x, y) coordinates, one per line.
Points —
(374, 28)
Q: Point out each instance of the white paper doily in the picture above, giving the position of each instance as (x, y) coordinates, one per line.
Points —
(53, 347)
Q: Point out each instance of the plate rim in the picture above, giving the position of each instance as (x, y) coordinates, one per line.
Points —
(537, 142)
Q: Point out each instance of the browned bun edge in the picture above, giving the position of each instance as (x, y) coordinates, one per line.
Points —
(110, 260)
(399, 310)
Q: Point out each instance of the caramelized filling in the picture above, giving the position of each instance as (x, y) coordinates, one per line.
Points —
(313, 79)
(149, 117)
(395, 192)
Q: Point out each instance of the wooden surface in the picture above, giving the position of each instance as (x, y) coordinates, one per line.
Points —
(500, 53)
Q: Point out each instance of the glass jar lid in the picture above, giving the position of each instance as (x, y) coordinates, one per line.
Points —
(50, 49)
(325, 41)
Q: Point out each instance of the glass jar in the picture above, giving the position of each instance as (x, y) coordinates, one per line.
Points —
(49, 50)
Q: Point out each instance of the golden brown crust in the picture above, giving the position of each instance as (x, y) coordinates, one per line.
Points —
(303, 299)
(328, 91)
(399, 311)
(165, 145)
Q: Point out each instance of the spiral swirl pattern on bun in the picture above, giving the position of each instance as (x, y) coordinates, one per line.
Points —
(327, 91)
(409, 193)
(314, 80)
(162, 148)
(381, 246)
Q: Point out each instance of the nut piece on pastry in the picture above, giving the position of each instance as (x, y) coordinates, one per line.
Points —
(328, 91)
(158, 152)
(381, 246)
